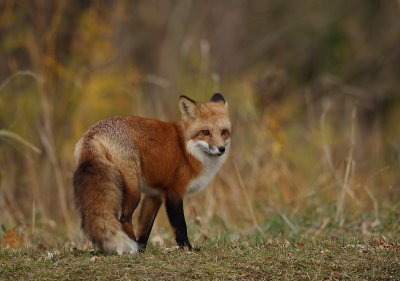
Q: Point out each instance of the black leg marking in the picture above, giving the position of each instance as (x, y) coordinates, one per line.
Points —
(176, 216)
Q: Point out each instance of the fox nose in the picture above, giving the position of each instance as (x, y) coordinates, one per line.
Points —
(221, 149)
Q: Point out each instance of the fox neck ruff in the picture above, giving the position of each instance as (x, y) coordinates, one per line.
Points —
(210, 165)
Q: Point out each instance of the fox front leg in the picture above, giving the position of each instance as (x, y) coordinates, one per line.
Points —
(176, 216)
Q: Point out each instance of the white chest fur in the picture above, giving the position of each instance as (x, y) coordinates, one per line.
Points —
(211, 165)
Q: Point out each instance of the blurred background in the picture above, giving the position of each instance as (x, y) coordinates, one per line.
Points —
(313, 89)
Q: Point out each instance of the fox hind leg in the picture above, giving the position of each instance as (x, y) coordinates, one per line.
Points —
(148, 212)
(130, 202)
(98, 192)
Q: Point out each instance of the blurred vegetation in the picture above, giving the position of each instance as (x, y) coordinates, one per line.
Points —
(313, 89)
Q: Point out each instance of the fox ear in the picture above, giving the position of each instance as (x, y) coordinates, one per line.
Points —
(217, 97)
(188, 107)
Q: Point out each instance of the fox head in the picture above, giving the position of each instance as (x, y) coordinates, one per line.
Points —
(207, 127)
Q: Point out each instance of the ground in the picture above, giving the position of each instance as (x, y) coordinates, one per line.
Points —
(344, 258)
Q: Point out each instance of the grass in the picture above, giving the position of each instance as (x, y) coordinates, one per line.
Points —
(345, 258)
(312, 249)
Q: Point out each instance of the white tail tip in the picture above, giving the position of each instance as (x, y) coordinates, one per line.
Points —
(120, 244)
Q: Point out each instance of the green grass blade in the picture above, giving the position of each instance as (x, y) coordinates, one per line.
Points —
(14, 136)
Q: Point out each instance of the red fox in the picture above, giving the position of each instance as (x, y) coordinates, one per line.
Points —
(121, 157)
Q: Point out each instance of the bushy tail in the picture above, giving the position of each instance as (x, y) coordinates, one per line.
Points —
(98, 196)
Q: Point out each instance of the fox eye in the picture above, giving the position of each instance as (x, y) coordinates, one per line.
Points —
(205, 132)
(224, 132)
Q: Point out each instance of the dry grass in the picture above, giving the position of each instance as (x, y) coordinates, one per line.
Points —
(323, 259)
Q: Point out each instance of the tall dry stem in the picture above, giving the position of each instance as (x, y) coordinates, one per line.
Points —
(325, 145)
(246, 196)
(350, 163)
